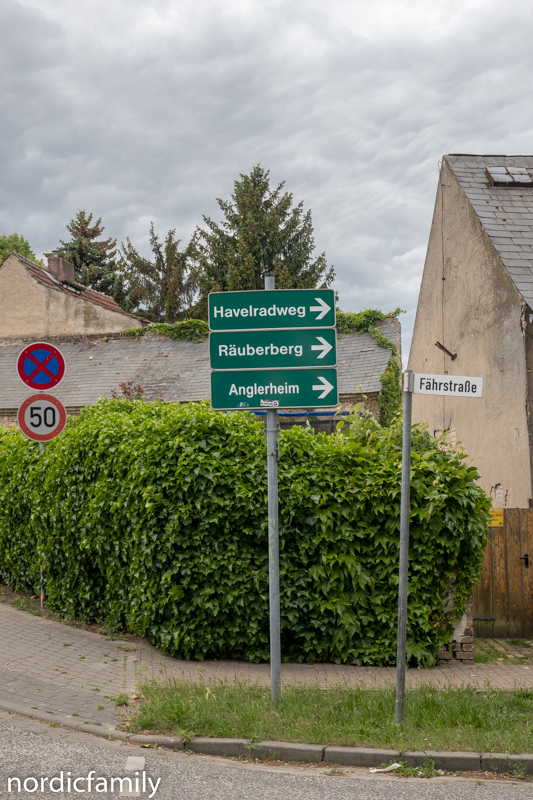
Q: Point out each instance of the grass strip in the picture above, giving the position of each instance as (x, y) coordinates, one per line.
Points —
(466, 718)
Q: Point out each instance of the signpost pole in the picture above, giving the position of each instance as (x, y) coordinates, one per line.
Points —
(408, 381)
(41, 451)
(273, 539)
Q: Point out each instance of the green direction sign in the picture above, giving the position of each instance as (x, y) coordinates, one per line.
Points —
(280, 308)
(274, 388)
(281, 349)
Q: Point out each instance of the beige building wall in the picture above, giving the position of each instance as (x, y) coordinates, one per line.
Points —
(30, 309)
(469, 304)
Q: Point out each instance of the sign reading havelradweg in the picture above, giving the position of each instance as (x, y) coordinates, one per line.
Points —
(277, 309)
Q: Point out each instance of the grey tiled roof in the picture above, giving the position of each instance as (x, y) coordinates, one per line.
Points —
(506, 213)
(173, 369)
(360, 361)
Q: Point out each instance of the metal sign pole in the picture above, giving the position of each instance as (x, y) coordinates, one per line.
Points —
(408, 386)
(273, 539)
(41, 451)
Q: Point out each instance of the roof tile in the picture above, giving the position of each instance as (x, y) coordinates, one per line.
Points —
(504, 212)
(177, 370)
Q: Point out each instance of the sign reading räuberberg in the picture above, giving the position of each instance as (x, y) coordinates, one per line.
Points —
(277, 309)
(271, 349)
(452, 385)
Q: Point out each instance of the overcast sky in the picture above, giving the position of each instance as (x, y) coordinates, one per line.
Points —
(140, 110)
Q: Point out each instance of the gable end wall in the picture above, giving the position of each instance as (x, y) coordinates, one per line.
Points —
(475, 312)
(29, 309)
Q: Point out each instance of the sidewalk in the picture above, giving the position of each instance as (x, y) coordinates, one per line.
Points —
(74, 673)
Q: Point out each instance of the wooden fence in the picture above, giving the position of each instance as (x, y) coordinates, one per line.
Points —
(503, 597)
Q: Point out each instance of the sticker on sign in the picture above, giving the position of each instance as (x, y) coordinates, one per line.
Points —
(452, 385)
(274, 388)
(41, 417)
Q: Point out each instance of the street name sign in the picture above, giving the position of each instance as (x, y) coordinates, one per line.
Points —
(41, 366)
(41, 417)
(274, 388)
(275, 309)
(417, 383)
(448, 385)
(273, 349)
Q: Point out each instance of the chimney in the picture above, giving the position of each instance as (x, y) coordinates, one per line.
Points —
(63, 269)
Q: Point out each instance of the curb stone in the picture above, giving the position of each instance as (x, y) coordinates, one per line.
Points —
(501, 762)
(105, 730)
(451, 761)
(210, 746)
(359, 756)
(288, 751)
(170, 742)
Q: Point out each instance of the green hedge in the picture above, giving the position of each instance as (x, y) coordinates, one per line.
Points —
(152, 518)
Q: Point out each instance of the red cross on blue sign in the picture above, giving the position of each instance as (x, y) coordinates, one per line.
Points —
(41, 366)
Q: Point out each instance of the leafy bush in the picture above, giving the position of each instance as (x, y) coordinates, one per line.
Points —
(191, 330)
(361, 321)
(152, 517)
(390, 401)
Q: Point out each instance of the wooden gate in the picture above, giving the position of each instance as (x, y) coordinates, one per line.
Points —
(503, 597)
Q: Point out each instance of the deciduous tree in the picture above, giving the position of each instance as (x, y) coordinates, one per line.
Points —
(164, 286)
(19, 244)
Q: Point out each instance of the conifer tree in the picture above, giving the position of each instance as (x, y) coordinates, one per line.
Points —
(261, 232)
(94, 259)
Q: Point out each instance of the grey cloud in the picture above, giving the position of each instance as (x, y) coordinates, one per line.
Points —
(148, 109)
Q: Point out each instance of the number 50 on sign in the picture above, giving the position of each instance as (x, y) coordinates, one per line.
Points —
(41, 417)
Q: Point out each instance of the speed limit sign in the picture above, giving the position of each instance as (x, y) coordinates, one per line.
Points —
(41, 417)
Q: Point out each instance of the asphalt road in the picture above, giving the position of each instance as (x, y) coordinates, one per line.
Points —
(35, 750)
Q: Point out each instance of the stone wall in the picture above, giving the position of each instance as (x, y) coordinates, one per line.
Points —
(460, 647)
(8, 416)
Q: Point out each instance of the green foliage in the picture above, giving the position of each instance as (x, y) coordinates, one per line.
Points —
(361, 321)
(191, 330)
(121, 699)
(164, 287)
(390, 402)
(151, 518)
(427, 770)
(94, 259)
(19, 244)
(261, 232)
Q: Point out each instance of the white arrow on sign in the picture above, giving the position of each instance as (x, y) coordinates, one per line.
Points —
(323, 308)
(324, 346)
(325, 387)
